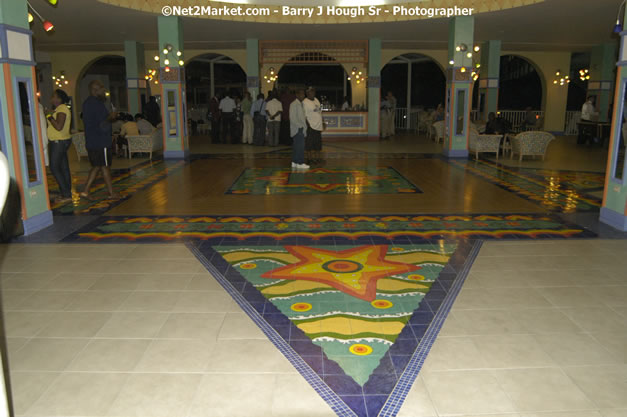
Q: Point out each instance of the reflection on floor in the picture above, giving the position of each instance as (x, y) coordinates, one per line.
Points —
(258, 300)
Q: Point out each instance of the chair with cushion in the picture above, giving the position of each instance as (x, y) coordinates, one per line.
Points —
(439, 131)
(78, 140)
(145, 143)
(484, 143)
(531, 143)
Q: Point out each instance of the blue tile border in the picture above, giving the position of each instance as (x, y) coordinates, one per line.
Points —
(393, 405)
(330, 397)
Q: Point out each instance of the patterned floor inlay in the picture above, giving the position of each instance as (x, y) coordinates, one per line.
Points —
(355, 320)
(284, 180)
(556, 191)
(125, 183)
(334, 229)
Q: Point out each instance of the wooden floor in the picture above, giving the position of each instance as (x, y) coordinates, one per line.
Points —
(199, 188)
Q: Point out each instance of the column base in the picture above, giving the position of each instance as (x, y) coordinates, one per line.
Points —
(455, 153)
(614, 219)
(176, 154)
(36, 223)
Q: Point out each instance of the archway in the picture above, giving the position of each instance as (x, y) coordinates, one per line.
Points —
(417, 81)
(111, 71)
(520, 84)
(325, 74)
(210, 74)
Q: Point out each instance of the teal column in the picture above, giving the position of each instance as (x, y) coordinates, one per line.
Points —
(601, 83)
(374, 87)
(458, 86)
(20, 134)
(614, 209)
(172, 81)
(489, 77)
(135, 75)
(252, 67)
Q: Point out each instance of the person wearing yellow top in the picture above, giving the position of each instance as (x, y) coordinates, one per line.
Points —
(129, 128)
(59, 141)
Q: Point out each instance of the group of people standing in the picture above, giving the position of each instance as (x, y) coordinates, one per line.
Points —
(288, 118)
(99, 120)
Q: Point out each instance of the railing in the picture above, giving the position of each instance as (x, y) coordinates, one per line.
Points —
(570, 126)
(400, 118)
(517, 117)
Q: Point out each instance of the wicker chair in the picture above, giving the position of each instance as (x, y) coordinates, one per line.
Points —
(439, 131)
(484, 143)
(531, 143)
(145, 143)
(78, 140)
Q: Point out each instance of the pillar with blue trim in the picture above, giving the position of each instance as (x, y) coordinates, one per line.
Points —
(489, 73)
(172, 81)
(614, 209)
(252, 67)
(601, 83)
(135, 75)
(458, 86)
(374, 87)
(20, 125)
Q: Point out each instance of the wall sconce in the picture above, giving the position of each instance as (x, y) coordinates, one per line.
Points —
(59, 80)
(271, 76)
(584, 74)
(561, 79)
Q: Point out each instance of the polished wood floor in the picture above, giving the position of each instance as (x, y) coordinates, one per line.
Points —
(199, 188)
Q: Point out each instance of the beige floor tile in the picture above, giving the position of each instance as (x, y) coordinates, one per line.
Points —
(96, 251)
(614, 413)
(570, 297)
(203, 326)
(52, 266)
(13, 265)
(15, 343)
(611, 295)
(155, 395)
(599, 319)
(499, 279)
(74, 324)
(585, 277)
(79, 394)
(204, 282)
(163, 301)
(233, 356)
(418, 403)
(564, 414)
(25, 324)
(511, 351)
(26, 281)
(165, 282)
(160, 252)
(513, 298)
(12, 299)
(452, 327)
(449, 353)
(49, 301)
(605, 385)
(215, 394)
(205, 302)
(118, 282)
(614, 343)
(546, 320)
(99, 301)
(309, 403)
(110, 355)
(466, 392)
(542, 389)
(177, 355)
(151, 266)
(72, 281)
(481, 322)
(133, 325)
(572, 349)
(240, 326)
(27, 387)
(46, 354)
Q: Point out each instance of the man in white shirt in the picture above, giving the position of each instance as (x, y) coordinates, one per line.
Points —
(274, 109)
(298, 127)
(315, 126)
(588, 112)
(227, 115)
(587, 132)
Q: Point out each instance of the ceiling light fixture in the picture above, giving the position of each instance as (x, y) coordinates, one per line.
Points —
(618, 28)
(47, 25)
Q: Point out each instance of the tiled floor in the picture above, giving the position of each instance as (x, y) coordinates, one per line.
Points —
(539, 329)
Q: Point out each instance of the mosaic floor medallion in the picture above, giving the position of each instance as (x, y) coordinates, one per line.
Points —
(355, 320)
(369, 180)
